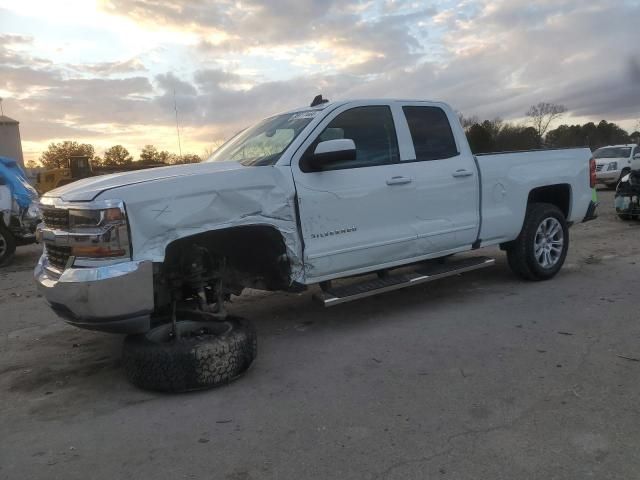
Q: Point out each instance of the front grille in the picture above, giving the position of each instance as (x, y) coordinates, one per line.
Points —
(56, 218)
(58, 256)
(599, 167)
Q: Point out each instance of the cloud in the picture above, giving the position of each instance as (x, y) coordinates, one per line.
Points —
(13, 39)
(339, 28)
(111, 68)
(485, 57)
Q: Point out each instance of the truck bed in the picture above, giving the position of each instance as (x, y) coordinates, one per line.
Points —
(506, 180)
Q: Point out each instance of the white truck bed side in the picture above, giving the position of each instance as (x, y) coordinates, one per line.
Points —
(507, 178)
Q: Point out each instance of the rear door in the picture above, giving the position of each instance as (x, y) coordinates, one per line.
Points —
(353, 214)
(444, 207)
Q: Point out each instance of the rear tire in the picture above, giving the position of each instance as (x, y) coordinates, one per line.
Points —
(207, 354)
(541, 248)
(7, 244)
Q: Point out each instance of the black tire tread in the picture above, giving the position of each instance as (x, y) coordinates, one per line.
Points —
(518, 255)
(190, 363)
(11, 244)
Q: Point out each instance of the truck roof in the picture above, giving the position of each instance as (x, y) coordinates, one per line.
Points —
(322, 106)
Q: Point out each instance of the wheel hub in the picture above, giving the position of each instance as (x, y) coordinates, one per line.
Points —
(549, 242)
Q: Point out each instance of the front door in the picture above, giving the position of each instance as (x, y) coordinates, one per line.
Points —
(353, 213)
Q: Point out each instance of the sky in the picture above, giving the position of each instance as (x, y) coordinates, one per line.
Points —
(111, 72)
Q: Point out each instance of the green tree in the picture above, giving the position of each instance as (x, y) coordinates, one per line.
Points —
(31, 164)
(117, 155)
(480, 139)
(57, 154)
(186, 158)
(165, 157)
(517, 137)
(591, 135)
(150, 154)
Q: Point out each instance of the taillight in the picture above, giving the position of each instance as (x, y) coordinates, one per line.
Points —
(592, 173)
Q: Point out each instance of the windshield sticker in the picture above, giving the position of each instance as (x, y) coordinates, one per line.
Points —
(305, 114)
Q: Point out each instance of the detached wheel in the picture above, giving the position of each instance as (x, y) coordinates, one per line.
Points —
(207, 354)
(541, 248)
(7, 244)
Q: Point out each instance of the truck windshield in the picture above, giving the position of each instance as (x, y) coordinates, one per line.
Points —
(264, 143)
(612, 152)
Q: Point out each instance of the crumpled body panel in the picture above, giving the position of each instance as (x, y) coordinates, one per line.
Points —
(163, 210)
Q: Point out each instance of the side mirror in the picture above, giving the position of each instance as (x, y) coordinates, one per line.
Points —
(333, 151)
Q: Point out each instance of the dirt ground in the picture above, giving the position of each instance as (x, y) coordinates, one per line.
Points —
(481, 376)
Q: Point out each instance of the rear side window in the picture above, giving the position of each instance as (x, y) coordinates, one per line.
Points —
(431, 133)
(371, 129)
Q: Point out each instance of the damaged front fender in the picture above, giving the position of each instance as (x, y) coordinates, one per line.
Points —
(165, 210)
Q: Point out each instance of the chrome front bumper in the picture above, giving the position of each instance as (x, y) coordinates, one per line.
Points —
(116, 298)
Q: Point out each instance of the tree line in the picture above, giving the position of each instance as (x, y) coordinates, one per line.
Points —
(57, 154)
(496, 135)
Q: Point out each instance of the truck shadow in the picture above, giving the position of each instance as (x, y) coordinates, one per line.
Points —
(275, 313)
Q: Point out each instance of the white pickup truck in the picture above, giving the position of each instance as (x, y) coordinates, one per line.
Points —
(305, 197)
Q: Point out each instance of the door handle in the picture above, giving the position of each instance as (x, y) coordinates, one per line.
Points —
(461, 173)
(398, 180)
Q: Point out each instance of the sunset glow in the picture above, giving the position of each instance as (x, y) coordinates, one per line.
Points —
(104, 72)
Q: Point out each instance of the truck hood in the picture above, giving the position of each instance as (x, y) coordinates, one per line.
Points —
(88, 189)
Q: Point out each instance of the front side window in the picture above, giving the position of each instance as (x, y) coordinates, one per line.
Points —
(265, 142)
(371, 129)
(431, 133)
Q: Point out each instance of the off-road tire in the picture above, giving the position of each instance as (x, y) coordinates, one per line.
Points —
(7, 244)
(520, 252)
(200, 359)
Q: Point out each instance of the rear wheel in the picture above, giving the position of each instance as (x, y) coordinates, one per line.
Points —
(541, 248)
(7, 244)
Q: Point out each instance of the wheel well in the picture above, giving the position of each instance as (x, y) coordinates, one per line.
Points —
(254, 254)
(558, 195)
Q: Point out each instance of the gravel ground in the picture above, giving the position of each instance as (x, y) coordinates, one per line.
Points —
(480, 376)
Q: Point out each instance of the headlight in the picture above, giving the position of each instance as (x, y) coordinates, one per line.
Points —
(612, 166)
(94, 218)
(99, 234)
